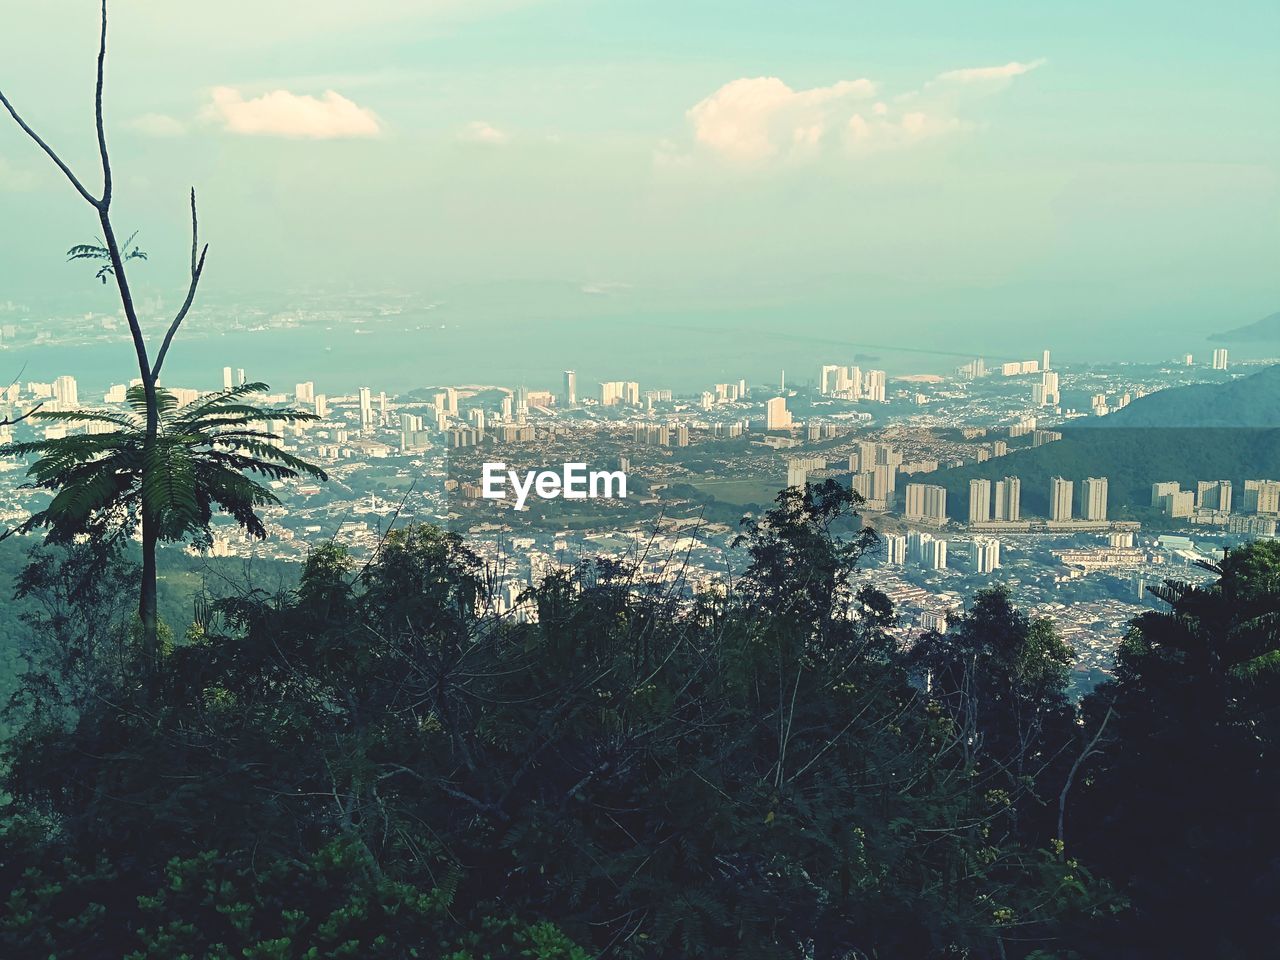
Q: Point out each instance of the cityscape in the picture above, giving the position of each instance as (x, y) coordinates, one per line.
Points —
(561, 480)
(698, 461)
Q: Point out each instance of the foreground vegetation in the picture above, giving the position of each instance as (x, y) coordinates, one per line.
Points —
(370, 765)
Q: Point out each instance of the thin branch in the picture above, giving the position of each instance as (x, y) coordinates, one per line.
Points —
(1088, 751)
(197, 269)
(50, 153)
(97, 101)
(10, 421)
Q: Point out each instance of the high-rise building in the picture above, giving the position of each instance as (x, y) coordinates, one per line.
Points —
(1220, 358)
(614, 392)
(985, 554)
(227, 382)
(366, 408)
(979, 501)
(240, 377)
(1262, 497)
(305, 393)
(934, 553)
(896, 548)
(776, 414)
(1093, 499)
(926, 502)
(66, 392)
(797, 474)
(1161, 490)
(1044, 363)
(570, 388)
(876, 386)
(1061, 494)
(1046, 393)
(1178, 503)
(884, 481)
(1214, 495)
(322, 406)
(1008, 500)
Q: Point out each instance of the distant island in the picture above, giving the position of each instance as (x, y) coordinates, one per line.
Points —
(1268, 328)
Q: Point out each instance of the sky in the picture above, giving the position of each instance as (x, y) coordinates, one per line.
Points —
(1102, 172)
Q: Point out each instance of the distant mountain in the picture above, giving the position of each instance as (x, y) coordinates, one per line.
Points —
(1226, 431)
(1268, 328)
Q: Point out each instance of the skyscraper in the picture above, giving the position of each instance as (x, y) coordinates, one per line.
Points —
(1093, 499)
(1008, 504)
(366, 408)
(935, 553)
(1214, 495)
(226, 378)
(985, 554)
(926, 502)
(777, 416)
(66, 392)
(979, 501)
(875, 386)
(304, 393)
(896, 548)
(570, 388)
(1220, 358)
(1061, 493)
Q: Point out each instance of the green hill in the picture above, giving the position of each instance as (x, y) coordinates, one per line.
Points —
(1250, 402)
(1228, 431)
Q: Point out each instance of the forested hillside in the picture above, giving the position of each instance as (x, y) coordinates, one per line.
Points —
(373, 765)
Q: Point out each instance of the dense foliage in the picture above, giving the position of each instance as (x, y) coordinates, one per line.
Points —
(375, 765)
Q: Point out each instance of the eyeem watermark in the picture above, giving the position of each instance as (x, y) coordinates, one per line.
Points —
(572, 482)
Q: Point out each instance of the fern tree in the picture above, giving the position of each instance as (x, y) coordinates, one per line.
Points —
(112, 255)
(209, 455)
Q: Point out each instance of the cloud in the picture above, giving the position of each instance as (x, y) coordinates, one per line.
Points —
(761, 117)
(158, 125)
(983, 74)
(284, 114)
(754, 121)
(478, 131)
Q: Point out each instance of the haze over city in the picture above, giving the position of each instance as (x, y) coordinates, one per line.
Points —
(900, 175)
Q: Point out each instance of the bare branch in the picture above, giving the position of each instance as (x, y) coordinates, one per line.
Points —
(49, 152)
(10, 421)
(197, 269)
(97, 101)
(1089, 750)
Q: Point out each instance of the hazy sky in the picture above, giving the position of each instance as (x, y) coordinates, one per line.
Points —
(1087, 164)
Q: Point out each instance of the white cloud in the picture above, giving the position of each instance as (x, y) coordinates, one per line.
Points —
(478, 131)
(284, 114)
(158, 125)
(753, 121)
(980, 74)
(756, 118)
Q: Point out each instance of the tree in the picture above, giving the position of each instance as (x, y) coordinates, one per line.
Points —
(1001, 677)
(167, 481)
(115, 254)
(1177, 799)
